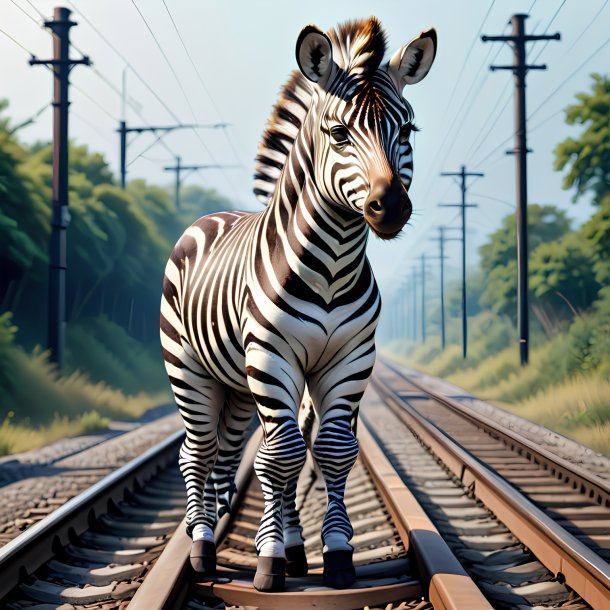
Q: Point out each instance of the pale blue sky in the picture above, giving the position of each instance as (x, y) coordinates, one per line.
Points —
(245, 50)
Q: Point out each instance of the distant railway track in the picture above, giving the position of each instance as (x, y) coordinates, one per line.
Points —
(435, 525)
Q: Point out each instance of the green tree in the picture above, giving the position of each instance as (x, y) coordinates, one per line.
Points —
(24, 219)
(546, 224)
(563, 271)
(587, 158)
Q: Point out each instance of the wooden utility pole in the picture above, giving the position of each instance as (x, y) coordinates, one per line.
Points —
(61, 64)
(463, 175)
(124, 132)
(518, 39)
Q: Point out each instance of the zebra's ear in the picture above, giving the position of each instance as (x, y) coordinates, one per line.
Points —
(411, 63)
(314, 54)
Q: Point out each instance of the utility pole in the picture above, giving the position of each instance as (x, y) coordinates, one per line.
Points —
(423, 297)
(463, 175)
(441, 241)
(124, 131)
(413, 281)
(61, 64)
(179, 170)
(519, 38)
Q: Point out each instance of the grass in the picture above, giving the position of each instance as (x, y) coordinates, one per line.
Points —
(38, 406)
(15, 437)
(578, 408)
(566, 386)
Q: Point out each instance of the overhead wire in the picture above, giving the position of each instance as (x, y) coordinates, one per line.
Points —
(183, 90)
(586, 28)
(549, 24)
(202, 83)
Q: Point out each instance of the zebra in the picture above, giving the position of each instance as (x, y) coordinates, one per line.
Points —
(258, 307)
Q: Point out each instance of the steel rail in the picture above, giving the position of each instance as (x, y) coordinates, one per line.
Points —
(579, 478)
(446, 581)
(26, 553)
(165, 586)
(563, 554)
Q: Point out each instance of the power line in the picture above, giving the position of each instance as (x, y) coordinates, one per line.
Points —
(26, 13)
(29, 120)
(89, 124)
(486, 123)
(40, 13)
(586, 28)
(94, 102)
(201, 81)
(126, 62)
(455, 123)
(548, 25)
(458, 79)
(571, 75)
(15, 41)
(183, 90)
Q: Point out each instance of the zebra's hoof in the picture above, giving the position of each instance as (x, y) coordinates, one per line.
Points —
(339, 572)
(296, 560)
(203, 557)
(270, 574)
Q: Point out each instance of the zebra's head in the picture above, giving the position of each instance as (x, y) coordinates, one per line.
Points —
(359, 121)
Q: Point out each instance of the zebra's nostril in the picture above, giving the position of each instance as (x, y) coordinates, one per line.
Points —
(375, 206)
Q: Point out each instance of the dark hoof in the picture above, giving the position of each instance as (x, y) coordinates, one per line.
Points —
(270, 574)
(339, 572)
(296, 560)
(203, 557)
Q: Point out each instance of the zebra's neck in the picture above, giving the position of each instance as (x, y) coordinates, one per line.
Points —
(323, 245)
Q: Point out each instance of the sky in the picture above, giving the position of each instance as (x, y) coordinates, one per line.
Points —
(242, 52)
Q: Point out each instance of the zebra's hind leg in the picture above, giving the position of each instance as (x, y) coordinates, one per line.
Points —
(200, 400)
(234, 424)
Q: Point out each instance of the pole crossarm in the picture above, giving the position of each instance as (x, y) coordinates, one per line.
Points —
(514, 68)
(167, 128)
(194, 168)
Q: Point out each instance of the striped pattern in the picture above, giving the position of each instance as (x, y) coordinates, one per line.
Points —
(257, 307)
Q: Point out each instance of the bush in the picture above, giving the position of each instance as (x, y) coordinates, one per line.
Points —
(105, 352)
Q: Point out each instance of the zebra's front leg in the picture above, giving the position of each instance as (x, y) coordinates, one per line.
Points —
(277, 388)
(336, 451)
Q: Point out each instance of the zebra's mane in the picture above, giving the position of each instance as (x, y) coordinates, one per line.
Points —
(357, 45)
(283, 126)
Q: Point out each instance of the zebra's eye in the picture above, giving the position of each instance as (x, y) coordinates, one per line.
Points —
(406, 130)
(339, 135)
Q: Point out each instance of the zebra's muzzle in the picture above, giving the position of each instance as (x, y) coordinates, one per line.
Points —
(387, 208)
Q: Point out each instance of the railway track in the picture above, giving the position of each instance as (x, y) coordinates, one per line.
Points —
(557, 510)
(436, 525)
